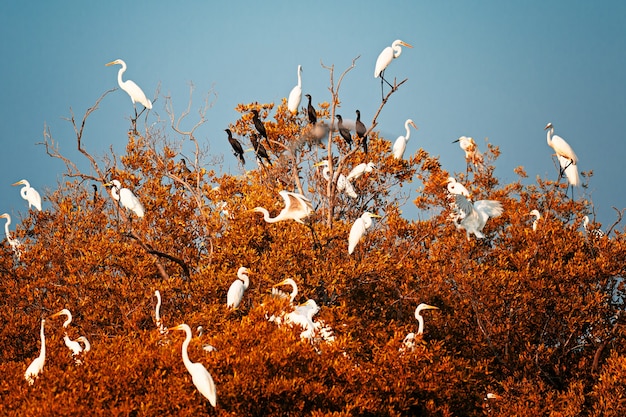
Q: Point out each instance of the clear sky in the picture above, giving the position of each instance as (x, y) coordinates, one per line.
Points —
(488, 69)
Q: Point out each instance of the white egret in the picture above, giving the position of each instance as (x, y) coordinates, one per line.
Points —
(29, 194)
(136, 94)
(384, 59)
(361, 130)
(537, 215)
(474, 216)
(302, 315)
(73, 345)
(15, 244)
(237, 288)
(295, 96)
(343, 185)
(400, 144)
(199, 375)
(310, 111)
(126, 198)
(595, 232)
(297, 207)
(359, 170)
(358, 229)
(294, 289)
(455, 187)
(472, 154)
(565, 153)
(36, 365)
(236, 145)
(420, 319)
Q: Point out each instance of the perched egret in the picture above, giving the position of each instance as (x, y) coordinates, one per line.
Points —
(595, 232)
(259, 149)
(157, 313)
(136, 94)
(294, 289)
(73, 345)
(384, 59)
(258, 124)
(295, 96)
(472, 154)
(30, 194)
(297, 207)
(361, 130)
(237, 288)
(302, 315)
(360, 169)
(358, 229)
(344, 131)
(474, 216)
(36, 365)
(565, 153)
(310, 111)
(343, 185)
(126, 197)
(15, 244)
(199, 375)
(537, 215)
(455, 187)
(409, 340)
(400, 144)
(237, 148)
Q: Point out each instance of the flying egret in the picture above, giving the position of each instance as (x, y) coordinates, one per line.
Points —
(237, 148)
(537, 215)
(259, 149)
(15, 244)
(474, 216)
(360, 169)
(400, 145)
(343, 185)
(310, 111)
(455, 187)
(199, 375)
(36, 365)
(125, 197)
(344, 131)
(294, 289)
(595, 232)
(237, 288)
(297, 207)
(29, 194)
(295, 96)
(361, 130)
(358, 229)
(384, 59)
(565, 153)
(136, 94)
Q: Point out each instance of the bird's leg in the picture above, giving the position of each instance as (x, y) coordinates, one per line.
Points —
(316, 243)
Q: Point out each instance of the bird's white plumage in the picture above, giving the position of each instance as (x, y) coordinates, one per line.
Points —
(36, 366)
(387, 55)
(237, 288)
(29, 194)
(567, 158)
(537, 215)
(474, 216)
(126, 198)
(455, 187)
(199, 375)
(399, 145)
(360, 169)
(343, 184)
(297, 207)
(358, 229)
(294, 289)
(136, 94)
(295, 96)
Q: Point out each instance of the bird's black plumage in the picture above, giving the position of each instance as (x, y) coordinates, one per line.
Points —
(310, 110)
(258, 124)
(237, 148)
(360, 131)
(343, 131)
(259, 149)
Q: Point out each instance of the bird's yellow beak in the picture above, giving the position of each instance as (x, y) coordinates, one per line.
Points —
(429, 307)
(57, 314)
(179, 327)
(406, 44)
(280, 283)
(320, 163)
(110, 63)
(18, 183)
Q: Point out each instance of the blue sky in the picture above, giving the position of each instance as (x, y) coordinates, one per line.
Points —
(486, 69)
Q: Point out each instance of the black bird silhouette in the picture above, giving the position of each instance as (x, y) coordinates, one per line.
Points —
(360, 130)
(260, 127)
(237, 149)
(344, 132)
(259, 149)
(310, 110)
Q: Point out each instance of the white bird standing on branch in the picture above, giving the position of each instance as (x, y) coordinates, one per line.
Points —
(237, 288)
(360, 169)
(29, 194)
(472, 154)
(455, 187)
(15, 244)
(73, 345)
(297, 207)
(409, 340)
(565, 154)
(358, 229)
(384, 59)
(295, 96)
(136, 94)
(537, 215)
(36, 366)
(279, 293)
(400, 144)
(474, 216)
(199, 375)
(343, 185)
(126, 197)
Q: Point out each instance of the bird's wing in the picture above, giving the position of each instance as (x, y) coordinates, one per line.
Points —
(463, 204)
(490, 208)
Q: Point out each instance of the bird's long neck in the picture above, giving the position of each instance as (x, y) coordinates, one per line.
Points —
(246, 281)
(114, 193)
(294, 292)
(119, 75)
(299, 77)
(186, 360)
(266, 215)
(6, 228)
(397, 51)
(549, 134)
(158, 307)
(42, 353)
(420, 320)
(24, 192)
(408, 131)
